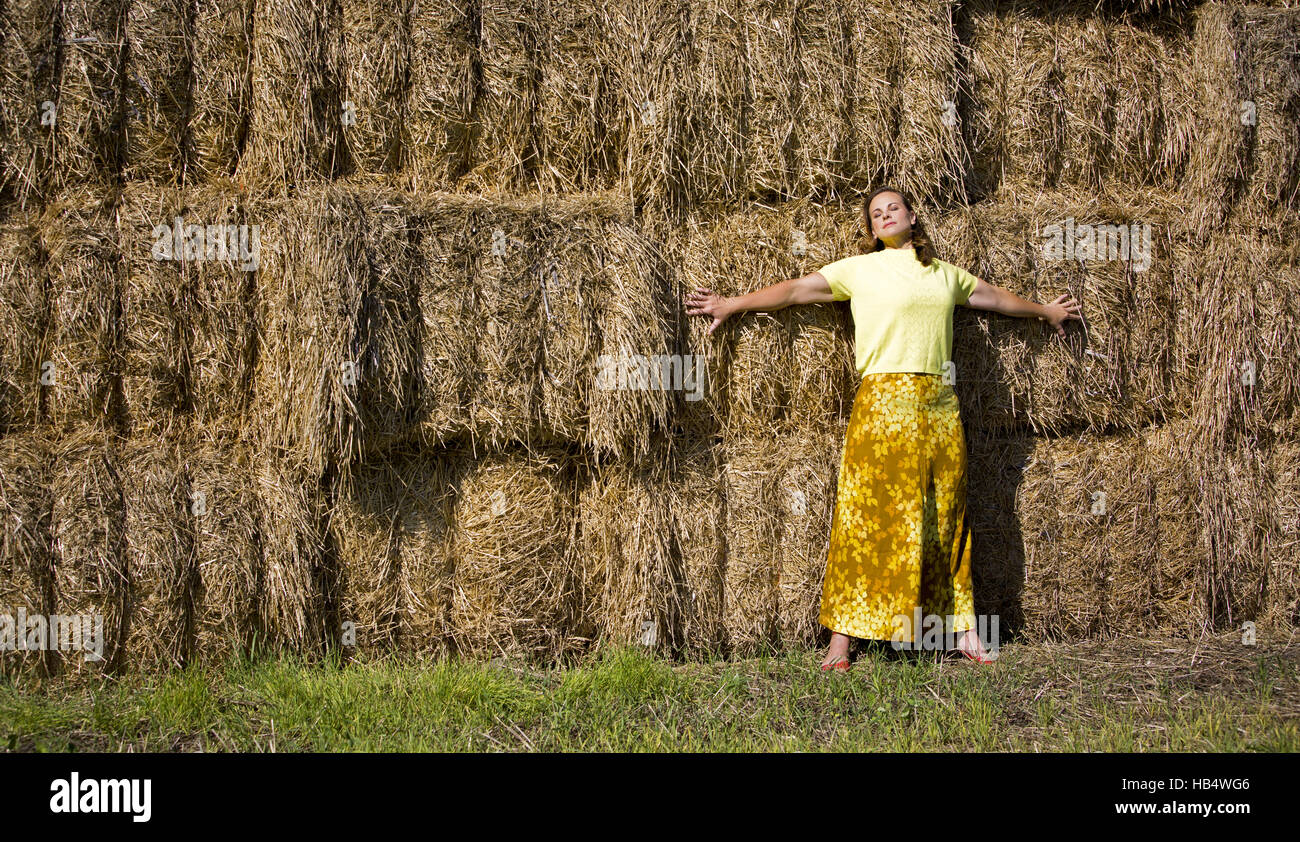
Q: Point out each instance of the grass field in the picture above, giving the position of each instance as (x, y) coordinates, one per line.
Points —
(1130, 695)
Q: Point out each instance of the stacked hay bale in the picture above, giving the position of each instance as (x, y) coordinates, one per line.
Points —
(1245, 72)
(1064, 94)
(697, 507)
(505, 151)
(156, 365)
(159, 34)
(221, 87)
(161, 565)
(29, 86)
(630, 574)
(391, 524)
(438, 140)
(434, 422)
(1117, 259)
(26, 567)
(88, 121)
(1088, 536)
(377, 50)
(296, 130)
(516, 590)
(88, 534)
(337, 261)
(83, 281)
(227, 545)
(23, 312)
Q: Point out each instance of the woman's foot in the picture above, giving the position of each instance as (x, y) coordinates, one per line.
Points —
(839, 650)
(970, 644)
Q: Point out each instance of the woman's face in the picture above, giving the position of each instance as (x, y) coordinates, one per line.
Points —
(890, 219)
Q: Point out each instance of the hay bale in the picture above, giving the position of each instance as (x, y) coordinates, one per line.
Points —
(159, 35)
(296, 132)
(696, 504)
(633, 318)
(1245, 63)
(221, 89)
(1131, 561)
(154, 327)
(1282, 604)
(824, 99)
(877, 67)
(377, 45)
(579, 141)
(1117, 370)
(222, 338)
(630, 578)
(751, 595)
(89, 125)
(690, 248)
(28, 90)
(515, 589)
(505, 147)
(572, 289)
(83, 277)
(442, 92)
(339, 261)
(1238, 340)
(1069, 95)
(992, 357)
(647, 52)
(1239, 514)
(932, 155)
(227, 544)
(1115, 373)
(768, 29)
(1017, 118)
(1006, 539)
(390, 524)
(296, 574)
(23, 313)
(26, 569)
(731, 256)
(161, 566)
(444, 267)
(508, 306)
(88, 526)
(805, 499)
(1071, 532)
(716, 100)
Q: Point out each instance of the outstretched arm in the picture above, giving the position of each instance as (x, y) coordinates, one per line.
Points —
(810, 289)
(991, 297)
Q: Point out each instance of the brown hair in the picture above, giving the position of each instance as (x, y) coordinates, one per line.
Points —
(920, 239)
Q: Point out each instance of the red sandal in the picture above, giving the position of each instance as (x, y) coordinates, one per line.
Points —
(839, 662)
(977, 659)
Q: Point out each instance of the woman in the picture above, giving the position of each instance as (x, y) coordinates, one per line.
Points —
(899, 540)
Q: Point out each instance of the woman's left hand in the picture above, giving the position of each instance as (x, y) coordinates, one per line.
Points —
(1063, 308)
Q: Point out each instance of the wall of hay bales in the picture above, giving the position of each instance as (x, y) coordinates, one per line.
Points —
(309, 313)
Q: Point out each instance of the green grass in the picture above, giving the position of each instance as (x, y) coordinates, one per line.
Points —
(1126, 695)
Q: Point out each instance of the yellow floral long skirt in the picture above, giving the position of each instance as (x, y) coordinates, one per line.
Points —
(899, 540)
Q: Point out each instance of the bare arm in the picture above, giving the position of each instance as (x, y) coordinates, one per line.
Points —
(991, 297)
(810, 289)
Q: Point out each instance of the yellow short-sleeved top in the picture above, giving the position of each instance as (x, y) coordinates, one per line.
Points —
(902, 310)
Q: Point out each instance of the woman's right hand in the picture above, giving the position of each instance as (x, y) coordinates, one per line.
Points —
(705, 302)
